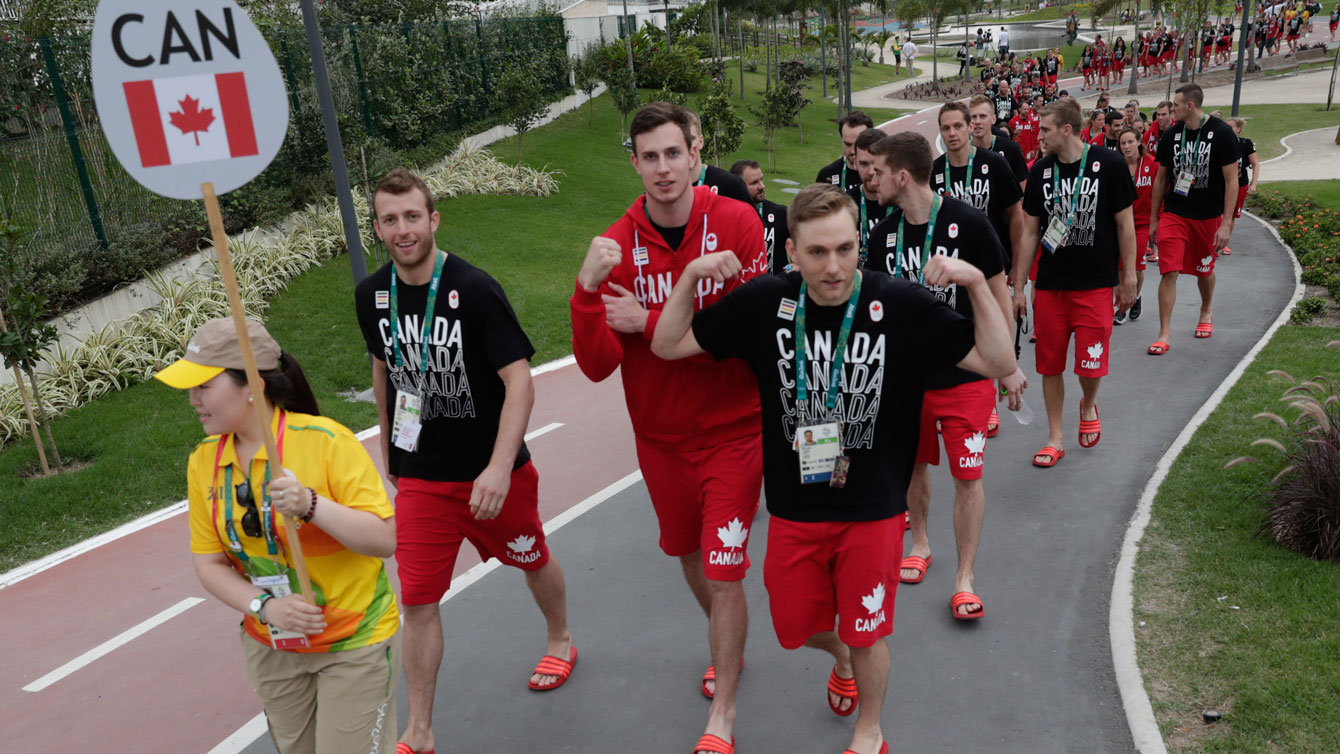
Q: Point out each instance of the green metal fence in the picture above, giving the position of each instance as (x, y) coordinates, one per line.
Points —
(398, 86)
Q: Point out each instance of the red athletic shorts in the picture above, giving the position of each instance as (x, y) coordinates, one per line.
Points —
(819, 573)
(1186, 245)
(1051, 79)
(1141, 246)
(962, 411)
(1242, 199)
(431, 519)
(705, 500)
(1087, 314)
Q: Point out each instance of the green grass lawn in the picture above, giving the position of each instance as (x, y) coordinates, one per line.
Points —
(1267, 124)
(137, 441)
(1325, 193)
(1231, 620)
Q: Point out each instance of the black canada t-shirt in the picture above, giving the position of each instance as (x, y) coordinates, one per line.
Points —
(993, 190)
(1089, 257)
(1008, 148)
(1245, 150)
(961, 232)
(899, 331)
(775, 233)
(474, 334)
(832, 175)
(1216, 147)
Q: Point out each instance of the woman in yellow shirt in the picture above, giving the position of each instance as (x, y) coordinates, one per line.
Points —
(325, 673)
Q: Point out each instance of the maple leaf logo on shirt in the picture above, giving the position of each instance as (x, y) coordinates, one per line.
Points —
(732, 534)
(191, 119)
(1096, 351)
(522, 543)
(874, 601)
(976, 443)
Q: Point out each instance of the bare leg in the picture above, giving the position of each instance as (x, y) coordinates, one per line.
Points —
(872, 679)
(550, 591)
(918, 506)
(728, 625)
(423, 656)
(969, 510)
(1167, 300)
(1206, 286)
(1088, 405)
(693, 573)
(1053, 395)
(828, 641)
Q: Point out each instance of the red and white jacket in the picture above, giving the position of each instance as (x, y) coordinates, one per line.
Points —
(690, 403)
(1144, 189)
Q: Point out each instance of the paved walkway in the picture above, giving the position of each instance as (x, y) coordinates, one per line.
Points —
(1312, 156)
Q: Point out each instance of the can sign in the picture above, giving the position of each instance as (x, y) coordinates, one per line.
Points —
(187, 92)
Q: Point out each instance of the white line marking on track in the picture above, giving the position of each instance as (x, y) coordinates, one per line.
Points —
(1120, 617)
(28, 570)
(255, 727)
(113, 643)
(546, 429)
(921, 122)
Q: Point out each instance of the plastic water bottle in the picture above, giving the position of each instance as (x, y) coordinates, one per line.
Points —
(1025, 414)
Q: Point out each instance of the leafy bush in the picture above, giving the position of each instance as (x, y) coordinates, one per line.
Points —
(723, 128)
(675, 69)
(1304, 311)
(1303, 500)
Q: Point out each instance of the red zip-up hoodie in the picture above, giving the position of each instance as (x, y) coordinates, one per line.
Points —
(690, 403)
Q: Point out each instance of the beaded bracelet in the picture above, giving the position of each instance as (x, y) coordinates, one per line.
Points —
(311, 510)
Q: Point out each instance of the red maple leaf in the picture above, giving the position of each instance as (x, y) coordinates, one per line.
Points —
(192, 118)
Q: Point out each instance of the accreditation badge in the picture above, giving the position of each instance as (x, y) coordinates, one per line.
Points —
(820, 447)
(278, 586)
(1054, 237)
(1183, 185)
(406, 425)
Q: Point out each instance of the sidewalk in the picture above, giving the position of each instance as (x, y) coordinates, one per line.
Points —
(1312, 156)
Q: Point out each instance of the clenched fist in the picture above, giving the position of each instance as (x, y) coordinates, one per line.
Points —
(719, 266)
(602, 257)
(943, 271)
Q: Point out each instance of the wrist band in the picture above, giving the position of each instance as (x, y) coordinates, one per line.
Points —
(311, 509)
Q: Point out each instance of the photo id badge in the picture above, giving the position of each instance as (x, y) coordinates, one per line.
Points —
(406, 427)
(1184, 181)
(1054, 238)
(820, 446)
(278, 586)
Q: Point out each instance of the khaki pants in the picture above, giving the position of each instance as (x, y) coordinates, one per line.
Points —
(333, 702)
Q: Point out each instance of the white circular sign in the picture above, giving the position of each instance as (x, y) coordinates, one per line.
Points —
(187, 92)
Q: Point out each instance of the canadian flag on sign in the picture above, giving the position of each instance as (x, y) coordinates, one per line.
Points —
(191, 119)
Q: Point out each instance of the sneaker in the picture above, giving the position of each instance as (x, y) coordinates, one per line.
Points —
(1136, 309)
(1119, 318)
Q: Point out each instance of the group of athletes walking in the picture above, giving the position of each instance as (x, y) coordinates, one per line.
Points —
(820, 354)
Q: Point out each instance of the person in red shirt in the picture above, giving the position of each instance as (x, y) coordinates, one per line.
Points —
(695, 422)
(1142, 167)
(1024, 125)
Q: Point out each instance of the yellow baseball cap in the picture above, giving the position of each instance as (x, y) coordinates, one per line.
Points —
(215, 348)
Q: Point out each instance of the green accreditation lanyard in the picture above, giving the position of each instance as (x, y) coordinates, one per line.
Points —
(267, 514)
(967, 178)
(702, 178)
(865, 228)
(925, 245)
(1189, 162)
(1074, 195)
(835, 377)
(844, 173)
(427, 329)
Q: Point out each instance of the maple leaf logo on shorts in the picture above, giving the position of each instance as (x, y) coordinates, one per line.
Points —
(522, 543)
(1096, 351)
(732, 534)
(976, 443)
(874, 601)
(1205, 261)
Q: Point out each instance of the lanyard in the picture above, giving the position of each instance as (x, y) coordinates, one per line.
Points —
(1074, 194)
(835, 376)
(844, 173)
(925, 245)
(267, 510)
(702, 176)
(967, 179)
(425, 336)
(865, 228)
(1188, 163)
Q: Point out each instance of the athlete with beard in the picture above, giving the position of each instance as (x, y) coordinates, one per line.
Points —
(451, 377)
(772, 214)
(695, 423)
(820, 341)
(842, 172)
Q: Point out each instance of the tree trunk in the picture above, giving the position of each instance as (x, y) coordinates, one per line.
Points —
(740, 57)
(823, 52)
(41, 418)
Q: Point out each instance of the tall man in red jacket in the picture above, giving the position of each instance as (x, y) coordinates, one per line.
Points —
(696, 422)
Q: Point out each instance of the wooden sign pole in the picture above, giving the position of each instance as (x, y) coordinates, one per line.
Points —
(253, 375)
(28, 407)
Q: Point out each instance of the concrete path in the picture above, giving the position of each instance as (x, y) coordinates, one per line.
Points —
(1311, 156)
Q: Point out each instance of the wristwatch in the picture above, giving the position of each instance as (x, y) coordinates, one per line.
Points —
(258, 604)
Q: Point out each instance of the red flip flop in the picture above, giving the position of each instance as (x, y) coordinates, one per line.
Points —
(1090, 427)
(966, 598)
(714, 744)
(918, 563)
(1205, 329)
(1051, 453)
(1158, 348)
(883, 749)
(404, 749)
(549, 665)
(711, 675)
(844, 688)
(993, 424)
